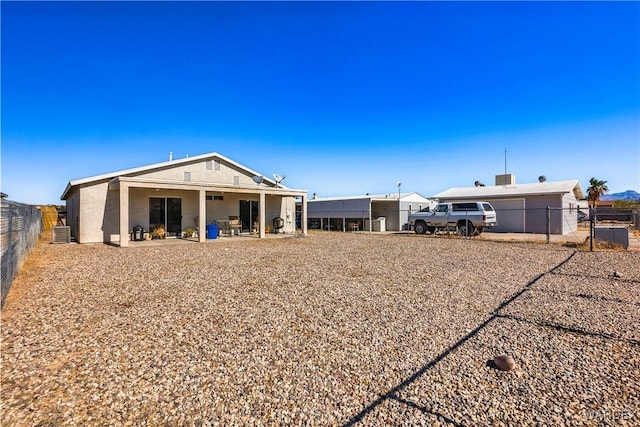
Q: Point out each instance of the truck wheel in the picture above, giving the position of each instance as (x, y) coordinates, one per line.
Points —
(420, 227)
(466, 228)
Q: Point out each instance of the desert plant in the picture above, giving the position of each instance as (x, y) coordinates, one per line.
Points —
(158, 232)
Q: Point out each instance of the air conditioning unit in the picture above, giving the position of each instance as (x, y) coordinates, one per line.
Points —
(61, 234)
(507, 179)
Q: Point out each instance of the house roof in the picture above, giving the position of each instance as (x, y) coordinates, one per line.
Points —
(376, 197)
(537, 188)
(161, 165)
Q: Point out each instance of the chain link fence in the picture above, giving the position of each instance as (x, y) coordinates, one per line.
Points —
(20, 226)
(536, 220)
(540, 220)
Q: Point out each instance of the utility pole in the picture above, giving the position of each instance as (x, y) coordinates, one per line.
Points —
(505, 161)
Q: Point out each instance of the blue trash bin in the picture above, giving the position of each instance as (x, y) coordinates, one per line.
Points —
(212, 231)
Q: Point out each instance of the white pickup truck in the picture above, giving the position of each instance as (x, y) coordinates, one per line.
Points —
(466, 218)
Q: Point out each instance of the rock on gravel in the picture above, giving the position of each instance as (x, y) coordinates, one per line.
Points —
(504, 362)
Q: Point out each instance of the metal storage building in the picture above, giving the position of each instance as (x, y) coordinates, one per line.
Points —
(368, 212)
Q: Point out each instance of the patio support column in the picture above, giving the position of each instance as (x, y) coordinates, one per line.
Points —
(303, 216)
(261, 209)
(124, 214)
(202, 215)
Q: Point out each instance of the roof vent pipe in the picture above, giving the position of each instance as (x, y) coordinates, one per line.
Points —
(170, 155)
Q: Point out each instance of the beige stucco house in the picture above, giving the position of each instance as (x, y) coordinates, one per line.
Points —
(184, 193)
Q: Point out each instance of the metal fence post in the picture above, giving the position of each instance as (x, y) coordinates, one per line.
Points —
(592, 214)
(466, 224)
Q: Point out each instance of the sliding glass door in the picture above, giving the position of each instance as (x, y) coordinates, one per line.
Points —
(248, 214)
(166, 211)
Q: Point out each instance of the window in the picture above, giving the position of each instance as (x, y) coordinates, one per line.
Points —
(487, 207)
(215, 197)
(209, 165)
(216, 165)
(187, 176)
(236, 180)
(465, 207)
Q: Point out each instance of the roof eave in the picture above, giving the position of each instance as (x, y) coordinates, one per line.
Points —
(124, 172)
(66, 191)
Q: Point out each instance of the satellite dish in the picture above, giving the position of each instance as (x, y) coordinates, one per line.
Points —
(542, 178)
(258, 179)
(278, 178)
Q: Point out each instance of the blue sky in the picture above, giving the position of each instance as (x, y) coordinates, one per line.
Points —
(343, 98)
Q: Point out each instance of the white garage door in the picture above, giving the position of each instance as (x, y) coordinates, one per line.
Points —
(510, 214)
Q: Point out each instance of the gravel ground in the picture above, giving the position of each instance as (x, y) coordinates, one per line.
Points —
(332, 329)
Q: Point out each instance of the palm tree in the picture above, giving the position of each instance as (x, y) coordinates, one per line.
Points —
(596, 190)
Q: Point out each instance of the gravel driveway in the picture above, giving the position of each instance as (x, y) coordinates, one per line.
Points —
(332, 329)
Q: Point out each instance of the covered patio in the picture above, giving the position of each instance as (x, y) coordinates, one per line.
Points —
(260, 206)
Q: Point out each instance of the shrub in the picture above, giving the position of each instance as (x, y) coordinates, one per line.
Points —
(158, 232)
